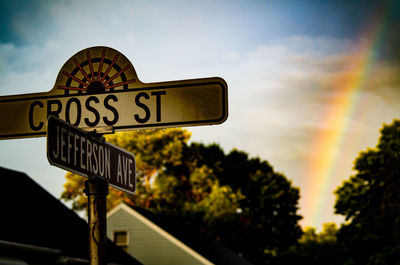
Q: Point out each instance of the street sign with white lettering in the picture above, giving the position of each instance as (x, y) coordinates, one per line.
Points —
(83, 153)
(98, 87)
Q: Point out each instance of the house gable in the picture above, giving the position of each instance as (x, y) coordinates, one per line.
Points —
(149, 243)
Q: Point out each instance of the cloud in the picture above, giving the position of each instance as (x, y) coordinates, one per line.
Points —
(277, 91)
(280, 94)
(29, 69)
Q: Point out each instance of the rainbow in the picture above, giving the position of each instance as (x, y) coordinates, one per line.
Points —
(329, 142)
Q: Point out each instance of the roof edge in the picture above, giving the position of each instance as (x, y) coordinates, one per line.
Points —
(159, 230)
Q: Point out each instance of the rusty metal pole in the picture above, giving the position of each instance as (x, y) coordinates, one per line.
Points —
(97, 189)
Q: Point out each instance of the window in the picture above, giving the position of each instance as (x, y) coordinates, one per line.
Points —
(121, 239)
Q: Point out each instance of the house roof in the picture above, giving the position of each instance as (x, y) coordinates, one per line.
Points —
(198, 241)
(33, 221)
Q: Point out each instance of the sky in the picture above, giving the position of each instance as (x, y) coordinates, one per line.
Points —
(310, 83)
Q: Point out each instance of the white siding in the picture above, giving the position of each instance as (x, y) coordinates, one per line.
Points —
(148, 243)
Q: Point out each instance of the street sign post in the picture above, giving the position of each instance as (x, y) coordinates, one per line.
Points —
(88, 154)
(97, 90)
(98, 87)
(85, 154)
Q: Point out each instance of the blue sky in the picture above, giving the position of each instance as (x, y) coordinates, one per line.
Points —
(251, 22)
(276, 56)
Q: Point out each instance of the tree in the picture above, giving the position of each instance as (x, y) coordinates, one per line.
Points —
(234, 198)
(268, 215)
(166, 180)
(315, 249)
(370, 202)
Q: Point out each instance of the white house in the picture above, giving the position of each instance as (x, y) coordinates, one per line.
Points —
(150, 244)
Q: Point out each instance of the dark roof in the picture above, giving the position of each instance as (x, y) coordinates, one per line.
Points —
(33, 220)
(194, 238)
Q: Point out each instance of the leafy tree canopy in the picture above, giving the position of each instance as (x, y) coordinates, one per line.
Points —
(238, 200)
(370, 202)
(315, 248)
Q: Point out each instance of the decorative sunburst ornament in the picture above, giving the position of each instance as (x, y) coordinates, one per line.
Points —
(96, 70)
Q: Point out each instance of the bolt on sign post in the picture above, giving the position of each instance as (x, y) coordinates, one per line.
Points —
(98, 91)
(98, 88)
